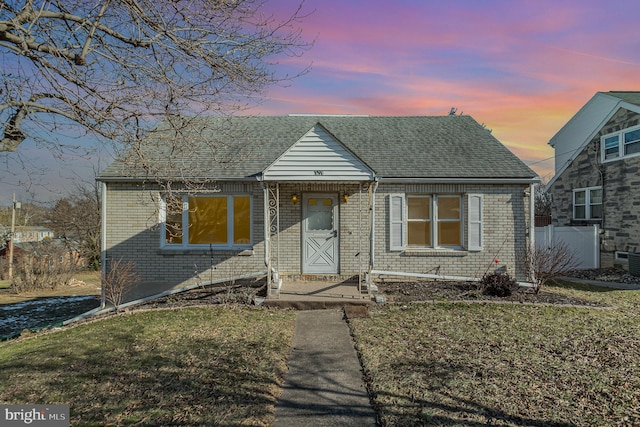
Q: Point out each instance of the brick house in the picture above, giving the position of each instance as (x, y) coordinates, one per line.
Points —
(301, 195)
(597, 179)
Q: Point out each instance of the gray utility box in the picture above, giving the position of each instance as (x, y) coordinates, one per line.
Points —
(634, 264)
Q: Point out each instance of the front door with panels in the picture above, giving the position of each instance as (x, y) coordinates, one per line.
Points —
(320, 238)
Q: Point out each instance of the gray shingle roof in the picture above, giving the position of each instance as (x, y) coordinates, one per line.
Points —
(627, 96)
(393, 147)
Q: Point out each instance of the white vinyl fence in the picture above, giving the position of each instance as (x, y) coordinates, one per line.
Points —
(584, 242)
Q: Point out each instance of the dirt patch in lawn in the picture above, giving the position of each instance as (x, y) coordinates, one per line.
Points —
(417, 291)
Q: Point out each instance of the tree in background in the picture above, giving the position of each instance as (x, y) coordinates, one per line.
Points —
(542, 199)
(117, 68)
(29, 214)
(77, 219)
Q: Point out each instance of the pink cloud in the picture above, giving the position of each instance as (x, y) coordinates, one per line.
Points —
(522, 68)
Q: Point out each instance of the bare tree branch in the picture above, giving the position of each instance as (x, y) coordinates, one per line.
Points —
(118, 67)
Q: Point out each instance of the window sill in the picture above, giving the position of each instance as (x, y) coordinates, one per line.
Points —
(200, 251)
(429, 252)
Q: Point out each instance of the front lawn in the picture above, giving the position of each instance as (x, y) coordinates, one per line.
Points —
(460, 364)
(192, 366)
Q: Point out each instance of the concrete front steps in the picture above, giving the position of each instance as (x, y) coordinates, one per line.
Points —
(320, 292)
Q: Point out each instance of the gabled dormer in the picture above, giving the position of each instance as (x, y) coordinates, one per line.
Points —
(318, 156)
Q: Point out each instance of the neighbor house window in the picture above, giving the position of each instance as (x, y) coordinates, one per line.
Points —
(220, 221)
(431, 221)
(621, 144)
(587, 203)
(622, 256)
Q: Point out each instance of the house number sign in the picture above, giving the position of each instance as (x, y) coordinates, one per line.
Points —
(318, 173)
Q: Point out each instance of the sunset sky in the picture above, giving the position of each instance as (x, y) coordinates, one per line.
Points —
(523, 68)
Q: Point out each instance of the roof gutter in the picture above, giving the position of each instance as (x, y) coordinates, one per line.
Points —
(409, 180)
(382, 180)
(132, 179)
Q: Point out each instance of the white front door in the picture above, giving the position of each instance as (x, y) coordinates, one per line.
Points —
(320, 240)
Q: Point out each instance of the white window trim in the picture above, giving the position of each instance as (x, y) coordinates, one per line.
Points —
(587, 203)
(162, 217)
(393, 220)
(621, 144)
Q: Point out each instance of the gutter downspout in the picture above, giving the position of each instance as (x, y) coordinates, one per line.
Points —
(372, 234)
(532, 228)
(267, 258)
(103, 241)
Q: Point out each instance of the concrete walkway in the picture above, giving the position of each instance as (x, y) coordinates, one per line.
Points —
(611, 285)
(324, 385)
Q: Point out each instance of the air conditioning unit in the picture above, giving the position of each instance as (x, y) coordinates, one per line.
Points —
(634, 264)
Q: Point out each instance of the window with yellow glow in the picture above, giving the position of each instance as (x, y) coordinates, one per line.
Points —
(219, 221)
(208, 221)
(241, 220)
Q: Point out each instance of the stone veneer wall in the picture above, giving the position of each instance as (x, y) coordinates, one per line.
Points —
(620, 181)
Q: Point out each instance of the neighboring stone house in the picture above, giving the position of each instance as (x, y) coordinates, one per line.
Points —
(597, 175)
(331, 196)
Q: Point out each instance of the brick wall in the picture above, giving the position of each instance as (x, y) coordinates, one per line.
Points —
(505, 214)
(134, 234)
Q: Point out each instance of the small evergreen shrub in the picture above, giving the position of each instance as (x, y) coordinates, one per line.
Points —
(498, 284)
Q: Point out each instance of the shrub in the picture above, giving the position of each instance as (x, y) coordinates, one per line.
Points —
(547, 262)
(498, 284)
(116, 282)
(47, 266)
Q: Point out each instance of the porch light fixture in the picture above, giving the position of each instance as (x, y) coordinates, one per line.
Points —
(294, 199)
(345, 197)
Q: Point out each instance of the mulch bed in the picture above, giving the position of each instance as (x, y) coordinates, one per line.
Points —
(238, 292)
(242, 292)
(416, 291)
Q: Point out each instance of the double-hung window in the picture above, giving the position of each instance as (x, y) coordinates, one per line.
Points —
(427, 221)
(216, 221)
(621, 144)
(587, 203)
(419, 221)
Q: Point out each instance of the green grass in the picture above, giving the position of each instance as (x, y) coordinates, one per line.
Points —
(440, 364)
(5, 284)
(195, 366)
(488, 364)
